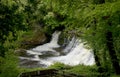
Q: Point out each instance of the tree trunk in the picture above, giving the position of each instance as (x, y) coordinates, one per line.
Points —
(112, 52)
(97, 59)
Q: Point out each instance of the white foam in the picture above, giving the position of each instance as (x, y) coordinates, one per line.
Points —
(33, 52)
(32, 59)
(79, 55)
(75, 51)
(49, 46)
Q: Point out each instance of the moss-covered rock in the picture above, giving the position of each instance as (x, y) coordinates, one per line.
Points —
(20, 52)
(33, 38)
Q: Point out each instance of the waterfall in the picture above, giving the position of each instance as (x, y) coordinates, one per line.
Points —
(78, 55)
(44, 55)
(71, 45)
(52, 44)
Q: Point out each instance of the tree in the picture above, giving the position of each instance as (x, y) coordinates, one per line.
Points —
(106, 20)
(12, 20)
(97, 21)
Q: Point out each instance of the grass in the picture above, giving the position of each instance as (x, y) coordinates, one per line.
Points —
(79, 70)
(74, 71)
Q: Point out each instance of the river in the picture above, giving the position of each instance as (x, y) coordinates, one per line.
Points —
(72, 54)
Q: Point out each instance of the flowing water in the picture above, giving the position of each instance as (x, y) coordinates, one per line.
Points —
(44, 55)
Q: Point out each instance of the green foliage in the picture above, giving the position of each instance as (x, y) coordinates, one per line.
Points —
(88, 19)
(100, 18)
(93, 19)
(9, 64)
(80, 70)
(88, 71)
(11, 18)
(15, 18)
(59, 66)
(115, 75)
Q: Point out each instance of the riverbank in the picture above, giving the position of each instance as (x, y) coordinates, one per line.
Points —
(61, 70)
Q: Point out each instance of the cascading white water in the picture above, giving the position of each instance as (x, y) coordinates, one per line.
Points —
(75, 53)
(79, 55)
(48, 46)
(71, 45)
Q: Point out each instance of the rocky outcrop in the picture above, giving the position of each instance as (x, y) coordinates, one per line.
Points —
(34, 38)
(20, 52)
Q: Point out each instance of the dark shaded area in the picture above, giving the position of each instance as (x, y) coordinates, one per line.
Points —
(59, 28)
(112, 52)
(99, 1)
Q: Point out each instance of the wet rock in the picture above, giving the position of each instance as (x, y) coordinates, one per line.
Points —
(30, 64)
(47, 54)
(35, 38)
(20, 52)
(23, 53)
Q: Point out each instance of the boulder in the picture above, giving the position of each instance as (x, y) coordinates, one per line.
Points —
(35, 38)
